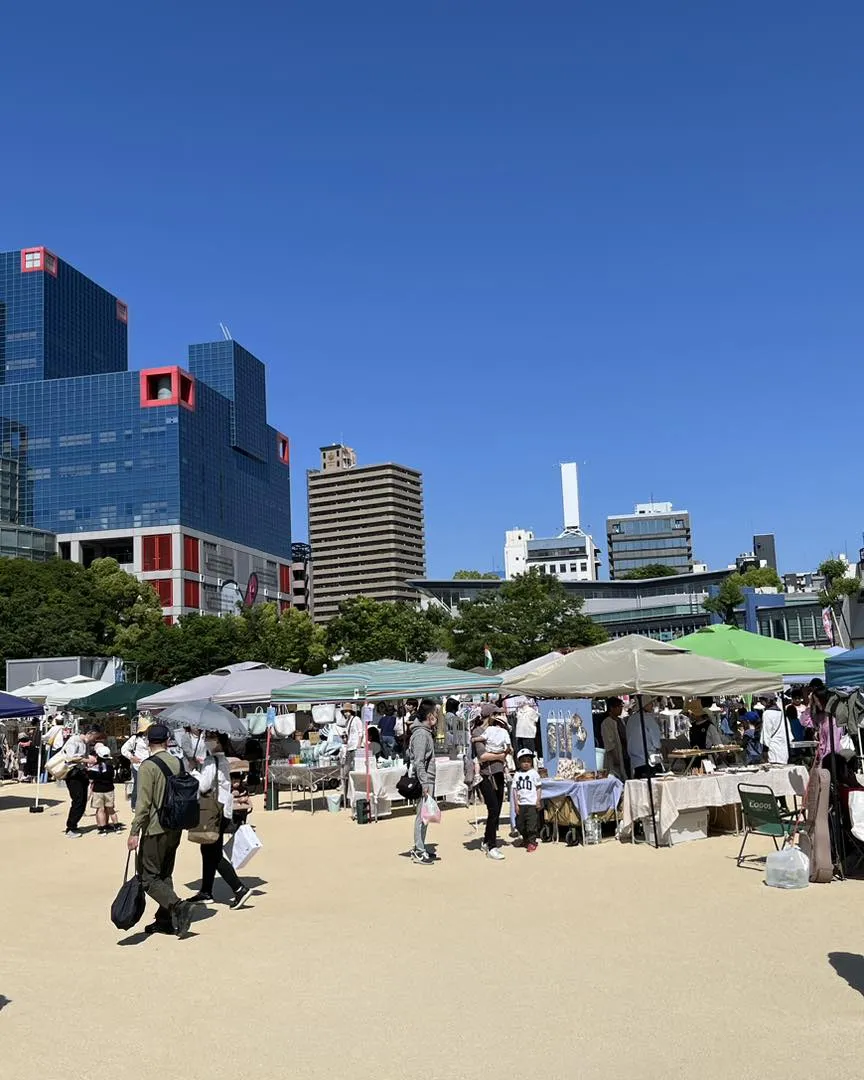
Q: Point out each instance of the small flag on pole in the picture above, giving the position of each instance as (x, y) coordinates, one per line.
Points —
(487, 656)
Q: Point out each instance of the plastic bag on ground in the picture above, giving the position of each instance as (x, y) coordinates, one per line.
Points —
(787, 869)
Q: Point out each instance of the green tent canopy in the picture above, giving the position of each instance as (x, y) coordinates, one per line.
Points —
(754, 651)
(122, 697)
(385, 679)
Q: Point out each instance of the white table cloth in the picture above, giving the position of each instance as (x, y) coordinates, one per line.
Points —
(449, 779)
(696, 792)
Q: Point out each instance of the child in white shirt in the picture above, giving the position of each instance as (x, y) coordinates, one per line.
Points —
(497, 739)
(526, 792)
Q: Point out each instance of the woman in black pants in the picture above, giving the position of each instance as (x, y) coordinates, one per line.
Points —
(491, 781)
(214, 784)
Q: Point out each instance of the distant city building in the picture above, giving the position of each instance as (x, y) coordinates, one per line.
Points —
(653, 534)
(366, 530)
(764, 549)
(661, 608)
(19, 542)
(570, 556)
(172, 471)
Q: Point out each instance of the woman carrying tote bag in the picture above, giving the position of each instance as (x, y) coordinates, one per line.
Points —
(217, 804)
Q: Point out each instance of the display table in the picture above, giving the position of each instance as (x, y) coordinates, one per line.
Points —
(693, 756)
(697, 792)
(588, 796)
(309, 778)
(449, 779)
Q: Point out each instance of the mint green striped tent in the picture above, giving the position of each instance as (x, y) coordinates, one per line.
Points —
(381, 680)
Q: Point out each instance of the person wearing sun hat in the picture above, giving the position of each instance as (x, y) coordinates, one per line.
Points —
(635, 743)
(491, 728)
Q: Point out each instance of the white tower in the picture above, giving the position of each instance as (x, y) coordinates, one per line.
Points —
(570, 493)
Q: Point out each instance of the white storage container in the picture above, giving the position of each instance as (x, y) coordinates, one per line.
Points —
(689, 825)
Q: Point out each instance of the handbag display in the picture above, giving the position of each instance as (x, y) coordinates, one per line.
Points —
(130, 901)
(257, 722)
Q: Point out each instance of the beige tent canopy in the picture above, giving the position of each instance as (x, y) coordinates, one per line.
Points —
(635, 665)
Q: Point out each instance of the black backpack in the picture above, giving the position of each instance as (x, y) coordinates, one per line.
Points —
(179, 809)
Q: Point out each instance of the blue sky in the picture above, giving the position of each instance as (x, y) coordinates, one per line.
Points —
(483, 238)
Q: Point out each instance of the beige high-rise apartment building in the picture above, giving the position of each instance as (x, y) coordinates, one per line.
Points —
(365, 530)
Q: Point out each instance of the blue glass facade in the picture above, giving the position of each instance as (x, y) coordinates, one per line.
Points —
(97, 450)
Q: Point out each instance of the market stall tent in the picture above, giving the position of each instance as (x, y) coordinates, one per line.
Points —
(12, 706)
(255, 686)
(116, 698)
(637, 665)
(754, 651)
(380, 680)
(845, 669)
(223, 682)
(59, 692)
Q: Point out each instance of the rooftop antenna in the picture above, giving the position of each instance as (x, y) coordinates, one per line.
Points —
(226, 333)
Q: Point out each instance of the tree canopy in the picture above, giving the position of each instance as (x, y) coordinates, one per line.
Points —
(649, 571)
(837, 584)
(475, 575)
(528, 616)
(731, 592)
(366, 629)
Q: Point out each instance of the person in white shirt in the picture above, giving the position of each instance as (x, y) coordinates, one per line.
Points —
(635, 745)
(76, 749)
(353, 735)
(527, 717)
(526, 792)
(775, 733)
(136, 749)
(217, 806)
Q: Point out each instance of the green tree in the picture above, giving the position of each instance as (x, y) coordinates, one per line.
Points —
(367, 629)
(652, 570)
(475, 575)
(731, 592)
(289, 640)
(127, 604)
(837, 585)
(528, 616)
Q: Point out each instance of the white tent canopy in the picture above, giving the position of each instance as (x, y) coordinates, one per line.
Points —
(246, 683)
(636, 665)
(58, 693)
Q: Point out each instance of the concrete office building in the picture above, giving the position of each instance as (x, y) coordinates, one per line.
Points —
(569, 556)
(653, 534)
(366, 530)
(765, 550)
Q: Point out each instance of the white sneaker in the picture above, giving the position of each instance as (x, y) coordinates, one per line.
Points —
(494, 853)
(484, 847)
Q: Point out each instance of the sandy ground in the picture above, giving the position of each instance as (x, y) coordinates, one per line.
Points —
(353, 962)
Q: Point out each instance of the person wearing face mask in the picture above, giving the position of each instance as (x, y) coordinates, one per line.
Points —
(213, 773)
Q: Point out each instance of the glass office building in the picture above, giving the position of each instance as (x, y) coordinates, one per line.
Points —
(653, 535)
(173, 470)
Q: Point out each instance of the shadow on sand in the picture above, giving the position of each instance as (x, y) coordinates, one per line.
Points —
(849, 966)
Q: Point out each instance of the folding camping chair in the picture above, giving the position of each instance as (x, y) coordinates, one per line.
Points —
(762, 816)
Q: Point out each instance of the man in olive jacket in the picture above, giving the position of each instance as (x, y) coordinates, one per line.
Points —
(158, 848)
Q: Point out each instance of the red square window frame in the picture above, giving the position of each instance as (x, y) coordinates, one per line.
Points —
(283, 448)
(168, 585)
(47, 261)
(191, 554)
(191, 593)
(180, 381)
(156, 552)
(284, 579)
(122, 311)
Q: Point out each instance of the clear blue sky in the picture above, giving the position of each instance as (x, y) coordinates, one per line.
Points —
(481, 238)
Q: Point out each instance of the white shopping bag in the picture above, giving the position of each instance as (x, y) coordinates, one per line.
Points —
(246, 843)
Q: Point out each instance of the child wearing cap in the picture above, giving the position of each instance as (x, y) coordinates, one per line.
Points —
(526, 791)
(100, 772)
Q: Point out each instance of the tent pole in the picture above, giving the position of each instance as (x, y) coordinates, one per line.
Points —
(648, 766)
(785, 723)
(834, 803)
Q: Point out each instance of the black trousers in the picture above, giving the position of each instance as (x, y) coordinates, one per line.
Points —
(642, 772)
(156, 855)
(492, 790)
(528, 823)
(77, 785)
(212, 860)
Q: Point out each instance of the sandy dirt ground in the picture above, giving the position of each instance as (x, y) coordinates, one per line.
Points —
(352, 962)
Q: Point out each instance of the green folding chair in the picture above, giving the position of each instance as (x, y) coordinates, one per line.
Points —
(762, 816)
